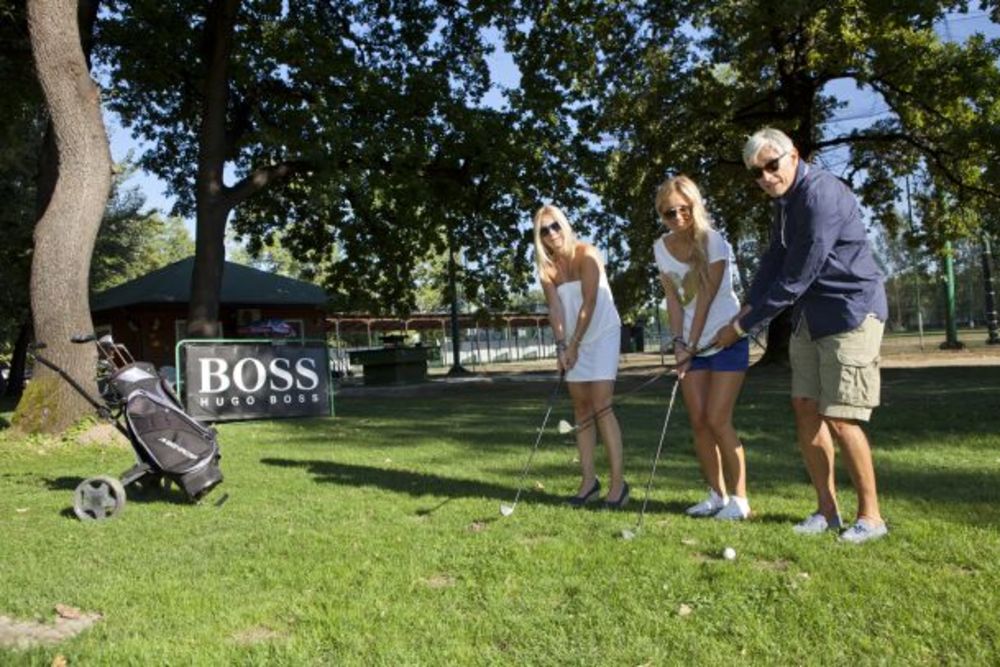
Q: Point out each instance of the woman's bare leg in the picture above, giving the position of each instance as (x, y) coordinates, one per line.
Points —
(601, 395)
(695, 386)
(723, 390)
(586, 437)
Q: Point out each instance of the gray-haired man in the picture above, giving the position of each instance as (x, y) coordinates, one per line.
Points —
(820, 263)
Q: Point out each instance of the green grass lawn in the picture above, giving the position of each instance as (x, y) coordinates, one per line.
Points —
(374, 538)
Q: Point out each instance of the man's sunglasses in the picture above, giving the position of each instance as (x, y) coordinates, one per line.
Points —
(675, 212)
(771, 167)
(551, 228)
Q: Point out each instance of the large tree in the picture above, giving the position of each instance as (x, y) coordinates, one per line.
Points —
(64, 235)
(371, 115)
(200, 81)
(655, 89)
(419, 165)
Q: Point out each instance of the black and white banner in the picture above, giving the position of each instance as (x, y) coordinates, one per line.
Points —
(228, 381)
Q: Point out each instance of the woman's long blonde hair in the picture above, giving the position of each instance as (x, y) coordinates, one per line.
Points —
(686, 188)
(543, 257)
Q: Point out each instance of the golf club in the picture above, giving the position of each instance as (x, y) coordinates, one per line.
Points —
(505, 509)
(628, 534)
(565, 427)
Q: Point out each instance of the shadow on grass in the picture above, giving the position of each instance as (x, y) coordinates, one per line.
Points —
(411, 483)
(926, 411)
(422, 484)
(134, 493)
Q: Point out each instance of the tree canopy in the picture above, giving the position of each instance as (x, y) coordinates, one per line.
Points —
(655, 89)
(375, 112)
(133, 242)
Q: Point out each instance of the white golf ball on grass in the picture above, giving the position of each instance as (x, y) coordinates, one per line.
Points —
(729, 553)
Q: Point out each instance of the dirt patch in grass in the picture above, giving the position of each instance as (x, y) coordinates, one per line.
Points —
(257, 635)
(779, 565)
(21, 634)
(440, 580)
(103, 433)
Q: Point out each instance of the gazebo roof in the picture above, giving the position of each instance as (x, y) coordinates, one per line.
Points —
(241, 285)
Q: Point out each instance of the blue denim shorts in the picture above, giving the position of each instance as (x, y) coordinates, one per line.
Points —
(734, 358)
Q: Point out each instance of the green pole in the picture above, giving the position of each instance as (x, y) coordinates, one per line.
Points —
(951, 341)
(991, 309)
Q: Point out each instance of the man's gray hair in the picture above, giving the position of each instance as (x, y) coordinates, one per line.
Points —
(763, 138)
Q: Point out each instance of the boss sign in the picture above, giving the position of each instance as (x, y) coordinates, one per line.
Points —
(255, 381)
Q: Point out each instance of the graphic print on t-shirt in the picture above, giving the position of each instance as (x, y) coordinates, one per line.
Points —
(687, 287)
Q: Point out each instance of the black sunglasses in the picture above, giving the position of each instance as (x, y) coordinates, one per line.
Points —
(675, 212)
(551, 228)
(771, 166)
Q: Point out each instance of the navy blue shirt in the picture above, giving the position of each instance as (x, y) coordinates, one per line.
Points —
(819, 260)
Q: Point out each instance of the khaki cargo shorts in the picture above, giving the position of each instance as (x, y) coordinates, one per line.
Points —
(840, 371)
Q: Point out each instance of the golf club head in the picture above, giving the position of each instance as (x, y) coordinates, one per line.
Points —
(564, 427)
(628, 534)
(506, 510)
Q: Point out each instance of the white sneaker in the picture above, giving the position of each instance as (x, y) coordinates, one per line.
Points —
(709, 506)
(736, 509)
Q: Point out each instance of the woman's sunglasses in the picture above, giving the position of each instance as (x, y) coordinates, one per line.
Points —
(550, 228)
(771, 166)
(675, 212)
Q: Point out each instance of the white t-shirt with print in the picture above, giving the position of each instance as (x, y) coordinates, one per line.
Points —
(724, 307)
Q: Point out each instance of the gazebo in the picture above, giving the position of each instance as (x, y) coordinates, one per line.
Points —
(149, 314)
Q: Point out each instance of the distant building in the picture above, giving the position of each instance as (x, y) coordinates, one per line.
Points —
(149, 314)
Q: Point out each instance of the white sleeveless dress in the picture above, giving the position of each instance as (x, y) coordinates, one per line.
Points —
(598, 357)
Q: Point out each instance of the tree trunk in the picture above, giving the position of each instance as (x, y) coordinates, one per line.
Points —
(64, 236)
(213, 200)
(206, 279)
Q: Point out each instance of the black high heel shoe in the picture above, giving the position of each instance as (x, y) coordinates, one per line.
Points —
(622, 499)
(580, 501)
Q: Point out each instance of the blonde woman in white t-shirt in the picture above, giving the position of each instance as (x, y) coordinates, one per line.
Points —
(694, 263)
(587, 331)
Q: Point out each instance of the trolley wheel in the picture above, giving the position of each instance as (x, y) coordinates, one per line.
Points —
(98, 498)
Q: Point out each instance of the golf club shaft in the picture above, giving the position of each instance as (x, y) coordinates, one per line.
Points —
(548, 411)
(656, 375)
(656, 458)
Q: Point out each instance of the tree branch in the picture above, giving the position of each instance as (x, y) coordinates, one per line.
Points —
(260, 178)
(937, 157)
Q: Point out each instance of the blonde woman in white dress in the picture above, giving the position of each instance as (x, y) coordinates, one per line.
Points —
(587, 331)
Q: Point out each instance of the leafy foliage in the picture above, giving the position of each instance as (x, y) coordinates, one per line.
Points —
(660, 89)
(21, 134)
(131, 243)
(380, 108)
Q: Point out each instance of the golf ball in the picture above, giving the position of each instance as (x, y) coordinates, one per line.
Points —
(729, 553)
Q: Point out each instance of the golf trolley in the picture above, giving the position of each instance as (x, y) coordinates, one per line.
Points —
(169, 445)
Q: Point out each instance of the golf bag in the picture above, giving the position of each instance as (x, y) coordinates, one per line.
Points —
(168, 443)
(166, 440)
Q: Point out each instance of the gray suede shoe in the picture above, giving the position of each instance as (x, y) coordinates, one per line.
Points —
(817, 524)
(864, 530)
